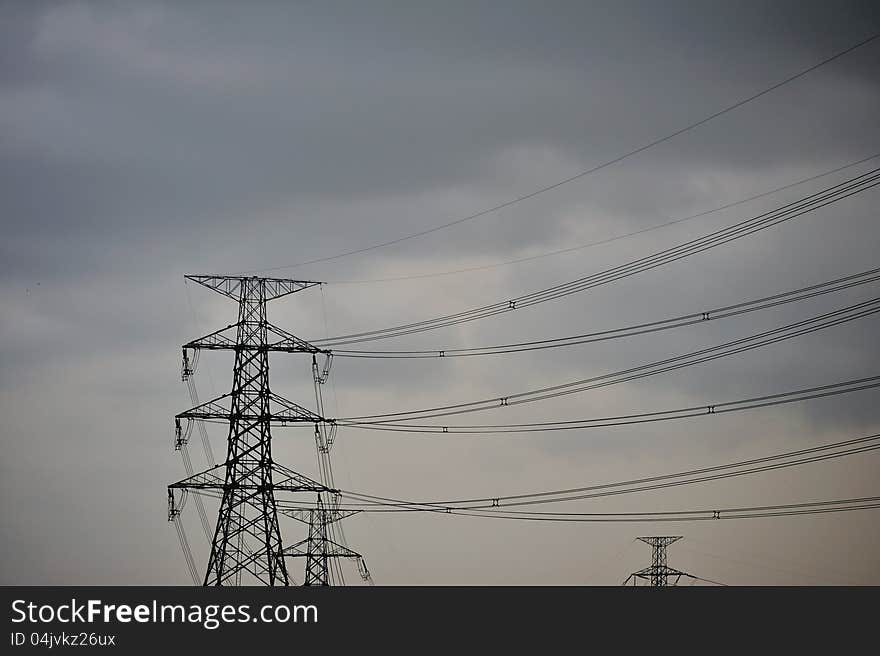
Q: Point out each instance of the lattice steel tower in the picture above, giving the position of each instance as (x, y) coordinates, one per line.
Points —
(659, 572)
(247, 539)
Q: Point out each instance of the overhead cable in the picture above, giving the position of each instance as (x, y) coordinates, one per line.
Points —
(744, 307)
(582, 174)
(782, 333)
(733, 232)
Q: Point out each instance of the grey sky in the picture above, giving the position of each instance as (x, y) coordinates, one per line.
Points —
(142, 141)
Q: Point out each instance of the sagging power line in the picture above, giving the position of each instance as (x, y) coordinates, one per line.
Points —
(608, 240)
(734, 347)
(727, 311)
(582, 174)
(708, 409)
(733, 232)
(773, 462)
(824, 506)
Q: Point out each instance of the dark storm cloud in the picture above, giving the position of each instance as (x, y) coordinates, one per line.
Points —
(132, 113)
(140, 141)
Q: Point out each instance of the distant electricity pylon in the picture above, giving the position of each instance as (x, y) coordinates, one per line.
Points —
(247, 540)
(659, 572)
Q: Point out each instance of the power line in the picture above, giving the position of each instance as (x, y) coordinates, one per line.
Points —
(727, 311)
(608, 240)
(187, 552)
(734, 347)
(395, 421)
(796, 458)
(783, 398)
(666, 256)
(361, 501)
(777, 510)
(755, 565)
(700, 578)
(835, 193)
(758, 560)
(582, 174)
(174, 510)
(687, 515)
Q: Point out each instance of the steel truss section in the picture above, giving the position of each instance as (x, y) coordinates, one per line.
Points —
(659, 573)
(247, 539)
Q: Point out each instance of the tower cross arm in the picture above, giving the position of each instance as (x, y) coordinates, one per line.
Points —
(330, 549)
(660, 540)
(230, 286)
(282, 411)
(302, 514)
(214, 479)
(277, 339)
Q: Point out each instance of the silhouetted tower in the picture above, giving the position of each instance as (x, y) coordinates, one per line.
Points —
(659, 572)
(320, 551)
(247, 539)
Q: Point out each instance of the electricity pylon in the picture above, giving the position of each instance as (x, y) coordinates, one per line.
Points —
(319, 549)
(248, 480)
(659, 572)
